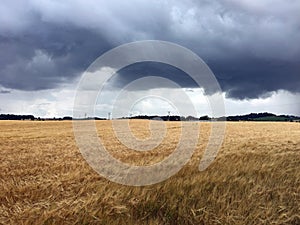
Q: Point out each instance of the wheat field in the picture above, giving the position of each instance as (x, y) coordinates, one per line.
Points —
(255, 178)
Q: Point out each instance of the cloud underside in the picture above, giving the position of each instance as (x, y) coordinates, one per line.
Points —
(252, 47)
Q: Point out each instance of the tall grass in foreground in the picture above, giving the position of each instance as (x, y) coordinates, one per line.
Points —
(254, 180)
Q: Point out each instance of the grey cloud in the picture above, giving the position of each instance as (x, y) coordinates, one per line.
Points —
(155, 69)
(251, 46)
(5, 92)
(48, 58)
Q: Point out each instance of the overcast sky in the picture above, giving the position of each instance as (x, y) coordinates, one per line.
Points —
(252, 47)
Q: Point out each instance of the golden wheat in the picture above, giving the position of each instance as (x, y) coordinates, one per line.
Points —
(255, 178)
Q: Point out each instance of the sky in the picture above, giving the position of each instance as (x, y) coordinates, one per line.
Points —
(251, 46)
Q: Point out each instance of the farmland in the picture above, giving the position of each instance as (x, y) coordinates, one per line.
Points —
(255, 178)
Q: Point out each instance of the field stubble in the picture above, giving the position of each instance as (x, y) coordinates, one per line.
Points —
(255, 178)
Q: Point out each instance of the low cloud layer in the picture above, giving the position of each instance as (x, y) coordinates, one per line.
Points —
(252, 46)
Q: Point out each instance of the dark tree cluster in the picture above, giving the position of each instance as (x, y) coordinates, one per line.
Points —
(262, 117)
(16, 117)
(164, 118)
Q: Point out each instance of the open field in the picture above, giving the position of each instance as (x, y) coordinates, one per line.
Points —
(254, 180)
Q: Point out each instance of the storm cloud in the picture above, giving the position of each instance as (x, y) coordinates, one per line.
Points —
(251, 46)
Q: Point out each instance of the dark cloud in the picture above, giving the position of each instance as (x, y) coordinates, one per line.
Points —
(47, 57)
(251, 46)
(250, 77)
(143, 69)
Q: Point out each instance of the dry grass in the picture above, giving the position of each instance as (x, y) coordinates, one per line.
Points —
(254, 180)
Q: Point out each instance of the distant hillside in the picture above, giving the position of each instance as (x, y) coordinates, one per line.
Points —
(31, 117)
(248, 117)
(262, 117)
(164, 118)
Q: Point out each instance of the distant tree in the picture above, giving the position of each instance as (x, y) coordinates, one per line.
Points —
(204, 117)
(67, 118)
